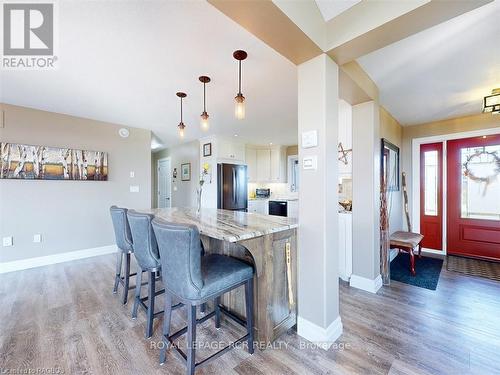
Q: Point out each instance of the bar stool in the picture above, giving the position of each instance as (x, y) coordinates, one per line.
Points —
(194, 280)
(148, 259)
(125, 248)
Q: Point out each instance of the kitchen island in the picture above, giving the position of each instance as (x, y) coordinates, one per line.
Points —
(269, 243)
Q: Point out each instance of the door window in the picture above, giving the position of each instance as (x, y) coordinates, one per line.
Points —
(480, 182)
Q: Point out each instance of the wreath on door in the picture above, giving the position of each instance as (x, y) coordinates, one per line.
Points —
(483, 179)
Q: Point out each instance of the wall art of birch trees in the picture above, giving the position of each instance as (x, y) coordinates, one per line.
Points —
(18, 161)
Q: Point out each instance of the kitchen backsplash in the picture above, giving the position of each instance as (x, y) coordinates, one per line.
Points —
(277, 189)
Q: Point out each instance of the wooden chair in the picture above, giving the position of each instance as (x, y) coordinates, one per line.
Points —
(407, 241)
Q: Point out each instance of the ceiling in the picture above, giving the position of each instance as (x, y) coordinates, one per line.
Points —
(332, 8)
(122, 62)
(442, 72)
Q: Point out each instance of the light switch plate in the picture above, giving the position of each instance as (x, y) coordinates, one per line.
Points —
(310, 139)
(134, 188)
(132, 174)
(7, 241)
(37, 238)
(310, 162)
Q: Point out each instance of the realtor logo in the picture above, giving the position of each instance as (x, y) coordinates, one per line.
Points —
(28, 31)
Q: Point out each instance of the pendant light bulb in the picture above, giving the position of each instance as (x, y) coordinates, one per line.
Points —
(204, 121)
(181, 127)
(239, 106)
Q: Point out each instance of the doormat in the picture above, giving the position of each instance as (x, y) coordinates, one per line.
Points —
(428, 271)
(474, 267)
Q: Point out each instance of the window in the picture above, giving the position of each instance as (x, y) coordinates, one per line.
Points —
(431, 170)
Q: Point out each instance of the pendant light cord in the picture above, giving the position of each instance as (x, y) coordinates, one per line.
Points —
(239, 87)
(204, 98)
(181, 109)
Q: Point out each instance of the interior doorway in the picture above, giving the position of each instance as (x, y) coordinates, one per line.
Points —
(164, 183)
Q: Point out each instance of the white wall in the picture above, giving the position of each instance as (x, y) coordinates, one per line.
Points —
(70, 215)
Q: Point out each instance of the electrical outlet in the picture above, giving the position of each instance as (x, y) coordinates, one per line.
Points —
(7, 241)
(134, 188)
(37, 238)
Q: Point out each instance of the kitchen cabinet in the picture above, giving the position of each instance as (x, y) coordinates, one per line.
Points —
(293, 209)
(258, 206)
(278, 164)
(230, 151)
(251, 160)
(263, 165)
(345, 246)
(266, 164)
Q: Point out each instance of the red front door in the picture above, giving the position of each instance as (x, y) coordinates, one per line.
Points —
(431, 195)
(473, 197)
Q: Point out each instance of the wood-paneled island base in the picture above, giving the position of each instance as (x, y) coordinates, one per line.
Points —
(267, 242)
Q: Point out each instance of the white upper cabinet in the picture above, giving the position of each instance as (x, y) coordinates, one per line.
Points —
(263, 165)
(231, 151)
(278, 164)
(266, 164)
(251, 160)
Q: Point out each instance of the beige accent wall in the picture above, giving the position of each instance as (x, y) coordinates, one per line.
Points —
(391, 130)
(70, 215)
(443, 127)
(185, 194)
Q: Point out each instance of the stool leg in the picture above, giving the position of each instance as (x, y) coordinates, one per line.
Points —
(249, 311)
(167, 315)
(419, 250)
(412, 263)
(119, 257)
(217, 312)
(203, 308)
(126, 279)
(151, 305)
(191, 339)
(137, 299)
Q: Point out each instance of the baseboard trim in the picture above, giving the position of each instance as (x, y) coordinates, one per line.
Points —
(393, 254)
(323, 337)
(25, 264)
(365, 284)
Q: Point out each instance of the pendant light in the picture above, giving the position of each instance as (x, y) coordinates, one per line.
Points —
(204, 115)
(239, 108)
(181, 125)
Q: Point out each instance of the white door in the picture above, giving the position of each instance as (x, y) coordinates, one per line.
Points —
(164, 196)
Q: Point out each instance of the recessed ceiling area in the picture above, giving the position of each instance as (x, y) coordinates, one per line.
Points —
(332, 8)
(442, 72)
(123, 62)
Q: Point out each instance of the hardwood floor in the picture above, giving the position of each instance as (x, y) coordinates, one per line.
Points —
(65, 317)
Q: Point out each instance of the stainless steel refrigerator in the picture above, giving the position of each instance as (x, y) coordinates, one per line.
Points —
(232, 187)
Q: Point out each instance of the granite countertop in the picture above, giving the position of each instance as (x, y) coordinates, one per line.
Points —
(231, 226)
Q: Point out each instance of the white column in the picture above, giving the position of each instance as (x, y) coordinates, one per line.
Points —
(318, 285)
(366, 197)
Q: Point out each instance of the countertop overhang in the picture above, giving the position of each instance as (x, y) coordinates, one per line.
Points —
(225, 225)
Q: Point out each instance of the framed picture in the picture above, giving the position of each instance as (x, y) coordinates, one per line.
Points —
(390, 165)
(207, 149)
(186, 172)
(29, 162)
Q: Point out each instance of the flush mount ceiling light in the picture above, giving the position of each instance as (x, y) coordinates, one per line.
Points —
(204, 115)
(491, 102)
(181, 125)
(239, 109)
